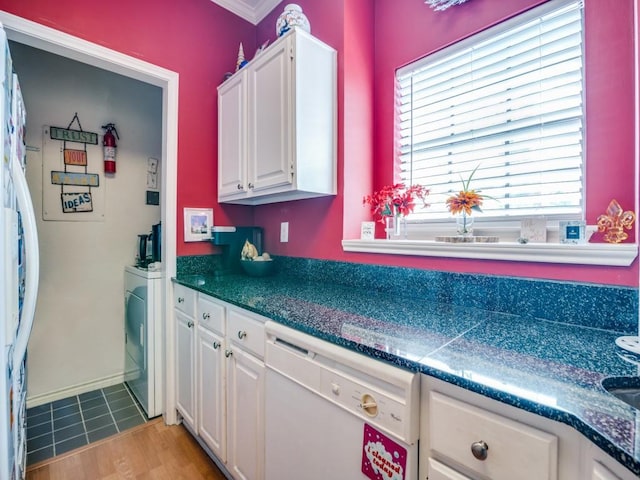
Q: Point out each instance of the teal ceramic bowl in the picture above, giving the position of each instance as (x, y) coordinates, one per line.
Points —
(257, 268)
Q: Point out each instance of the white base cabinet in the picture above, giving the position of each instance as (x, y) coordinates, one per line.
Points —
(184, 308)
(463, 435)
(277, 126)
(467, 436)
(245, 421)
(211, 398)
(220, 380)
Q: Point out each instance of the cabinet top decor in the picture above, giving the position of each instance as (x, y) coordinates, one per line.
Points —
(292, 17)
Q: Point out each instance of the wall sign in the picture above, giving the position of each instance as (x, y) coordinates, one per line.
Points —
(75, 200)
(74, 178)
(78, 136)
(72, 189)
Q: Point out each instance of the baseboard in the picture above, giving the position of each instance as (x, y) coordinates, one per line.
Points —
(35, 400)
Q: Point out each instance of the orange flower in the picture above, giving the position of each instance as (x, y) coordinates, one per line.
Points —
(464, 201)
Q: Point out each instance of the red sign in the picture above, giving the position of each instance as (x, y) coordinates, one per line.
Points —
(382, 458)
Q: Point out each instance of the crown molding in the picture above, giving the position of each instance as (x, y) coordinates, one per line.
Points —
(252, 11)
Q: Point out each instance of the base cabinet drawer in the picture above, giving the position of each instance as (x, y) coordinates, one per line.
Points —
(489, 445)
(439, 471)
(246, 332)
(184, 299)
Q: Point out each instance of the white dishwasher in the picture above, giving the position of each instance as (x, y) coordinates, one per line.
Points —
(332, 413)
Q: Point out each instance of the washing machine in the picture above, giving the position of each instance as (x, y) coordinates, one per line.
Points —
(143, 337)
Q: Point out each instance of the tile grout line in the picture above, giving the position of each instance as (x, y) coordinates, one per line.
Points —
(84, 425)
(106, 400)
(53, 430)
(135, 403)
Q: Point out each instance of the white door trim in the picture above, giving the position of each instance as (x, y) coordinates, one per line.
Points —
(48, 39)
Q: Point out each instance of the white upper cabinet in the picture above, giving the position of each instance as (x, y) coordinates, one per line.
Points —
(277, 124)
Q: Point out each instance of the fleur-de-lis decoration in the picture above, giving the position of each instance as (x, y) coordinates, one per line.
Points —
(614, 222)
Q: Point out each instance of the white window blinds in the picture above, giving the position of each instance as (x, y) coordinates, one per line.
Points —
(508, 101)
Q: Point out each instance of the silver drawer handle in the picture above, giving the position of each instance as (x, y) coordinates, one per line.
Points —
(205, 316)
(228, 353)
(189, 324)
(180, 300)
(480, 450)
(216, 345)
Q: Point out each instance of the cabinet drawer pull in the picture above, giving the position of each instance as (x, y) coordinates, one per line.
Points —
(180, 300)
(480, 450)
(206, 316)
(216, 345)
(189, 324)
(228, 353)
(241, 334)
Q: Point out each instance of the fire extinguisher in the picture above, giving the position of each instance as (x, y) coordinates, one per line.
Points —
(109, 143)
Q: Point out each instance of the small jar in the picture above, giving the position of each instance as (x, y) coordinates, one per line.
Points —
(292, 17)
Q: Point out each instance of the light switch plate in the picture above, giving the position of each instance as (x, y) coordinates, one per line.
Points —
(284, 232)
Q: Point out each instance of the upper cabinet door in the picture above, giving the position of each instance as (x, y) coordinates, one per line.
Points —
(282, 134)
(270, 119)
(232, 141)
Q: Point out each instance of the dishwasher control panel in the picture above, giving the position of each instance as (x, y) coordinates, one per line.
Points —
(373, 405)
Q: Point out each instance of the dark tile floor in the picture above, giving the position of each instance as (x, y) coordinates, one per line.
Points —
(63, 425)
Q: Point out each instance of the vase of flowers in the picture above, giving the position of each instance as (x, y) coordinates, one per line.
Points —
(392, 204)
(463, 204)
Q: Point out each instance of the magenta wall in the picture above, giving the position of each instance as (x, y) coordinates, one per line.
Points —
(195, 38)
(199, 40)
(406, 30)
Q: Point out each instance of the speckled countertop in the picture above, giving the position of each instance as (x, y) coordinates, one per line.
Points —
(548, 368)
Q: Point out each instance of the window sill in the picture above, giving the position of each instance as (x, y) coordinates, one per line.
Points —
(582, 254)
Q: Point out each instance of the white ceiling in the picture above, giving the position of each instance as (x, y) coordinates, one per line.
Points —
(251, 10)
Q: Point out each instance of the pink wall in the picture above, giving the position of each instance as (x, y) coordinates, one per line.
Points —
(199, 40)
(195, 38)
(406, 30)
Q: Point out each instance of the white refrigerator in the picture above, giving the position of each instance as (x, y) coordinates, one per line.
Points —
(18, 273)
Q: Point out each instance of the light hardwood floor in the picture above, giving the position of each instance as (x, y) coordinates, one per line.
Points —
(153, 451)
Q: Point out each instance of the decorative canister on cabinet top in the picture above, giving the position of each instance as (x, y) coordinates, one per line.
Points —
(292, 17)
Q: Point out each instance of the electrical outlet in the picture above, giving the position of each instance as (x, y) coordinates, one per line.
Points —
(284, 232)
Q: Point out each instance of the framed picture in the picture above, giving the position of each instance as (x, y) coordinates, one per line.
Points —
(197, 224)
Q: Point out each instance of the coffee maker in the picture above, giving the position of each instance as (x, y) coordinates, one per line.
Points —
(149, 247)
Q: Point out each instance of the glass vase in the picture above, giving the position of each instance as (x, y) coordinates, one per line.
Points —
(396, 227)
(464, 224)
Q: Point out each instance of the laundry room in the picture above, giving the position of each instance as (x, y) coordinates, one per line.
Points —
(77, 343)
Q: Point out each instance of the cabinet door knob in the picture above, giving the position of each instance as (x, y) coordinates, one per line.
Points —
(480, 450)
(189, 324)
(239, 187)
(205, 316)
(180, 300)
(216, 345)
(241, 334)
(251, 185)
(228, 353)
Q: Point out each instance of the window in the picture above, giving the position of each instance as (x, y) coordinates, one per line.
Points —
(508, 101)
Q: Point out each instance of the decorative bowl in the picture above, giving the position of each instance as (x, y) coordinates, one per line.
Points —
(257, 268)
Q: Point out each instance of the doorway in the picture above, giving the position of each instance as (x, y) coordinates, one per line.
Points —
(33, 34)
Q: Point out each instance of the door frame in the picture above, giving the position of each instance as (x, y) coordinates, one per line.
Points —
(54, 41)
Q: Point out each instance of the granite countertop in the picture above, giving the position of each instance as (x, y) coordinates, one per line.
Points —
(548, 368)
